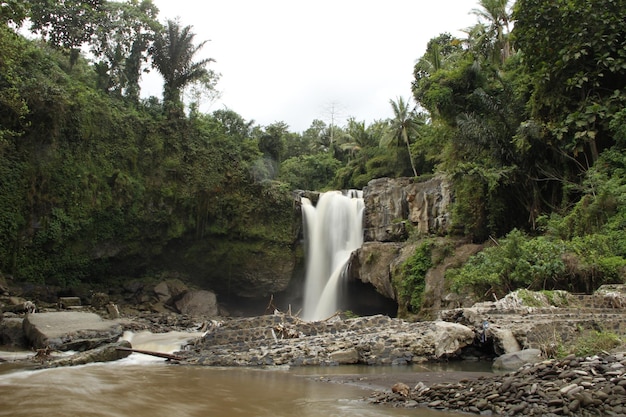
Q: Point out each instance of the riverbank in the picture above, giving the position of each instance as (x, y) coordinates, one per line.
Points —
(591, 386)
(379, 383)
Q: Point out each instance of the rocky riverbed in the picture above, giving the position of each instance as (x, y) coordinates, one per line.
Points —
(591, 386)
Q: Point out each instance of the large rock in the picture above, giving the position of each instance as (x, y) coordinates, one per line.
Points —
(515, 360)
(169, 289)
(386, 209)
(504, 341)
(392, 206)
(70, 330)
(371, 264)
(450, 338)
(200, 303)
(12, 332)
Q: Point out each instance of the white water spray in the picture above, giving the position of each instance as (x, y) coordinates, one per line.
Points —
(333, 230)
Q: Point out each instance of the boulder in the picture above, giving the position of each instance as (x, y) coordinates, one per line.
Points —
(515, 360)
(12, 333)
(198, 303)
(19, 305)
(401, 388)
(168, 290)
(70, 302)
(70, 330)
(450, 338)
(99, 300)
(371, 264)
(345, 357)
(504, 341)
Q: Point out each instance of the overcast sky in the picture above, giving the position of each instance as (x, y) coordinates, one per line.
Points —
(300, 60)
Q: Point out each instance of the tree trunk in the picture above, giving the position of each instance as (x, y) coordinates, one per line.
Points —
(408, 148)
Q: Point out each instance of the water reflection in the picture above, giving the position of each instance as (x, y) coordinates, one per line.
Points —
(134, 388)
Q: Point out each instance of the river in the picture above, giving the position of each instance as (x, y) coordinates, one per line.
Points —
(144, 386)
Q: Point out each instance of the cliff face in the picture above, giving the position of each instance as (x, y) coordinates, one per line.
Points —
(394, 206)
(395, 209)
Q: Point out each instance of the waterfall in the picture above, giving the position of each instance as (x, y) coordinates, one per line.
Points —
(333, 229)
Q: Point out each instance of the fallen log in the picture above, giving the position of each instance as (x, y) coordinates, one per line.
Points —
(151, 353)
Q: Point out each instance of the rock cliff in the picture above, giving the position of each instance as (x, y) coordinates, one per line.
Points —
(398, 211)
(394, 206)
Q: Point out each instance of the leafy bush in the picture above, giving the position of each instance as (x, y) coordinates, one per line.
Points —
(413, 279)
(515, 262)
(309, 172)
(592, 261)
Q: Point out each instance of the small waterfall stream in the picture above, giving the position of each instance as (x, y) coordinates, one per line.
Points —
(333, 229)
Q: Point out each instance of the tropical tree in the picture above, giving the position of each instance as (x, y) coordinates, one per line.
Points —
(574, 52)
(355, 138)
(67, 23)
(234, 125)
(121, 43)
(272, 144)
(402, 127)
(440, 52)
(13, 11)
(495, 30)
(172, 54)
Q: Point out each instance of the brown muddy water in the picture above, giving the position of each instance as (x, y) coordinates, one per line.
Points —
(142, 386)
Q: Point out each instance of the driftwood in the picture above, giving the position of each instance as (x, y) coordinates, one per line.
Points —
(151, 353)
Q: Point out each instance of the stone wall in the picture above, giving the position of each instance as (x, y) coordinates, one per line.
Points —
(286, 340)
(512, 325)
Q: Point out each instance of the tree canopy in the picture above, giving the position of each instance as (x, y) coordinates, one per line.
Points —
(524, 114)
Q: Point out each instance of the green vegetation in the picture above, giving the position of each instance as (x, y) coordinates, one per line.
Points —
(411, 283)
(588, 343)
(527, 123)
(595, 343)
(98, 184)
(539, 263)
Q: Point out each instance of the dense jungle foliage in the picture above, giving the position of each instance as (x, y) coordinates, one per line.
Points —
(526, 115)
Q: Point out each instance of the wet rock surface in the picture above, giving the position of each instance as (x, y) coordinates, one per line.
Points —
(285, 340)
(591, 386)
(106, 353)
(70, 330)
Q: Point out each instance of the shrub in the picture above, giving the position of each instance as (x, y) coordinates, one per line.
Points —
(413, 279)
(595, 343)
(516, 262)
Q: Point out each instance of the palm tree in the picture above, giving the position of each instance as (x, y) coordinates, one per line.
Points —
(172, 55)
(497, 15)
(402, 127)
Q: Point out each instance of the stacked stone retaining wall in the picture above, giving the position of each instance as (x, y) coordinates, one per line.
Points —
(286, 340)
(544, 327)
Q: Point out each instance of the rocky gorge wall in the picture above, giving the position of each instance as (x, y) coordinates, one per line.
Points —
(399, 212)
(394, 207)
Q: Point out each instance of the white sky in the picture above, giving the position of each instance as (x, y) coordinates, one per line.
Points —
(297, 60)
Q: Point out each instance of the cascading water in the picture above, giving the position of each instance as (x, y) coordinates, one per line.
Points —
(333, 229)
